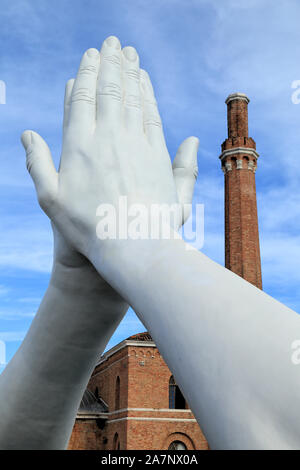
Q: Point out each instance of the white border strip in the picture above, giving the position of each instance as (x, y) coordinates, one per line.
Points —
(124, 410)
(145, 418)
(158, 410)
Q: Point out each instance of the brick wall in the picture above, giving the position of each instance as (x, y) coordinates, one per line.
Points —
(237, 118)
(85, 435)
(144, 420)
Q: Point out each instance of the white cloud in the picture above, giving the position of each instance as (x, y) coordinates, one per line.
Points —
(4, 290)
(12, 313)
(26, 243)
(8, 336)
(29, 300)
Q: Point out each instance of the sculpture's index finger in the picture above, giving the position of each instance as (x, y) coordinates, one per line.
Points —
(109, 87)
(151, 117)
(83, 99)
(132, 112)
(67, 102)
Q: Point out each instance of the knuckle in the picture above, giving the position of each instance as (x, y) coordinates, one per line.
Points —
(132, 101)
(83, 94)
(113, 59)
(195, 171)
(112, 90)
(133, 74)
(29, 159)
(151, 103)
(46, 198)
(185, 171)
(152, 117)
(153, 120)
(87, 70)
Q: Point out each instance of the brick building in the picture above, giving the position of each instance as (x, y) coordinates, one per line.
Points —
(132, 400)
(141, 407)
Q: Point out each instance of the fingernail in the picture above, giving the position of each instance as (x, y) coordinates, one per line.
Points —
(92, 52)
(112, 41)
(26, 139)
(130, 53)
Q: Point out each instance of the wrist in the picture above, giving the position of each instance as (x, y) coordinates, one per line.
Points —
(124, 263)
(80, 281)
(73, 323)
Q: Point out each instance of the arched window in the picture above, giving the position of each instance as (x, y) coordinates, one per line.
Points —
(117, 394)
(116, 443)
(177, 445)
(176, 399)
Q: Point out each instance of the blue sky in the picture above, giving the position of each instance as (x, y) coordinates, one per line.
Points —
(197, 52)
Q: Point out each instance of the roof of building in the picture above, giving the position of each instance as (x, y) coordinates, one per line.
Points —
(145, 336)
(91, 405)
(143, 339)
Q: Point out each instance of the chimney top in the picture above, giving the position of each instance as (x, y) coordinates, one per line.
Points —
(237, 96)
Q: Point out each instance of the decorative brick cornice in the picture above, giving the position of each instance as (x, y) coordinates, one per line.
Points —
(238, 151)
(237, 96)
(122, 345)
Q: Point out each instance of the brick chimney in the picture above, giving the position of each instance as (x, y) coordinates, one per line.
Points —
(239, 162)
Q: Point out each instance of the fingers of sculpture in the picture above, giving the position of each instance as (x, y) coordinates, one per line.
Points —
(41, 168)
(67, 102)
(110, 92)
(109, 86)
(185, 172)
(132, 111)
(151, 118)
(83, 97)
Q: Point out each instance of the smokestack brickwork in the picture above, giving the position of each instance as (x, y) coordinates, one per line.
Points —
(239, 163)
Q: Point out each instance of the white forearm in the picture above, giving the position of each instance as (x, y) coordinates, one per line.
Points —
(43, 384)
(227, 343)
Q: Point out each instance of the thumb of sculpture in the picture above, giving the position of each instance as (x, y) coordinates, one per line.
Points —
(41, 168)
(185, 172)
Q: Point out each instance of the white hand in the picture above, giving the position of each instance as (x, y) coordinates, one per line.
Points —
(113, 145)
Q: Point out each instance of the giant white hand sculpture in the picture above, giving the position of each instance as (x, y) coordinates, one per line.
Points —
(44, 382)
(228, 343)
(113, 145)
